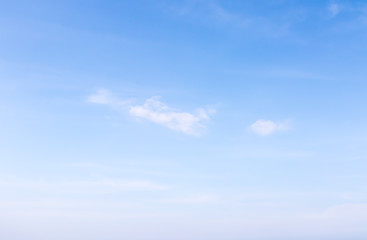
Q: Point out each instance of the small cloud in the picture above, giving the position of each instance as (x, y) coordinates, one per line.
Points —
(158, 112)
(266, 127)
(334, 9)
(106, 98)
(101, 97)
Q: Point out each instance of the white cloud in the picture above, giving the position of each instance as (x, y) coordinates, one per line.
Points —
(334, 9)
(158, 112)
(101, 97)
(267, 127)
(105, 97)
(82, 187)
(212, 13)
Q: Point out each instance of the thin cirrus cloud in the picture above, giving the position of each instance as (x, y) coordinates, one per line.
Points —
(267, 127)
(105, 97)
(85, 187)
(158, 112)
(194, 200)
(334, 9)
(210, 12)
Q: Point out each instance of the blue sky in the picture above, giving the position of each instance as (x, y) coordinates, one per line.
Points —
(183, 120)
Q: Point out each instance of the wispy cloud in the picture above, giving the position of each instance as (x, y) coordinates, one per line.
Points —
(103, 96)
(213, 13)
(334, 9)
(267, 127)
(225, 16)
(210, 11)
(87, 187)
(194, 200)
(158, 112)
(357, 12)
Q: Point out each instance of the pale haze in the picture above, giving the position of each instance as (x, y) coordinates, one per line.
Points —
(187, 120)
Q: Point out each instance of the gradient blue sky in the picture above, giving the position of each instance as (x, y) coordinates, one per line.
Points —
(194, 119)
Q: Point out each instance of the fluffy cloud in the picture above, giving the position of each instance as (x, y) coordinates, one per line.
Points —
(158, 112)
(267, 127)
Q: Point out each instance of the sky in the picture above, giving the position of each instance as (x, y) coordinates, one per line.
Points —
(187, 119)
